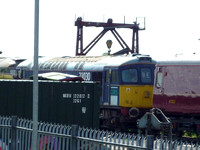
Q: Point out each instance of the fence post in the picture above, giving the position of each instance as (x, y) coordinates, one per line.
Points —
(13, 132)
(150, 140)
(74, 135)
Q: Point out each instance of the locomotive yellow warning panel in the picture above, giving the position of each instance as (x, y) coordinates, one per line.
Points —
(136, 96)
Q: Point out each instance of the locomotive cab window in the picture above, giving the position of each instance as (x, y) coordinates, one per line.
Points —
(130, 75)
(146, 75)
(114, 76)
(107, 77)
(159, 79)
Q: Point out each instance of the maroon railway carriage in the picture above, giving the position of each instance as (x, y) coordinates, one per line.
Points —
(177, 92)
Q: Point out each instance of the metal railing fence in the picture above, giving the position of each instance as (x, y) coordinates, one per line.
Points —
(16, 134)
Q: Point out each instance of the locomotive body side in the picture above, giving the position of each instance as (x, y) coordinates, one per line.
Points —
(177, 92)
(5, 71)
(8, 67)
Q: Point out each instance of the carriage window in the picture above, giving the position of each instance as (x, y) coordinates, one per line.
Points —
(159, 79)
(146, 75)
(129, 75)
(115, 77)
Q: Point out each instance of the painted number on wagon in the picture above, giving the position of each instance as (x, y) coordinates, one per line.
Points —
(85, 75)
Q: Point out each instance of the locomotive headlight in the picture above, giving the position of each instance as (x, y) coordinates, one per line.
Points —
(133, 112)
(147, 94)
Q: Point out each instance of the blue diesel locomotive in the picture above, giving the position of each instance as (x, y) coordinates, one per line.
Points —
(126, 81)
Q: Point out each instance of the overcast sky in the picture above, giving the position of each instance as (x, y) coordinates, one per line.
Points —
(172, 26)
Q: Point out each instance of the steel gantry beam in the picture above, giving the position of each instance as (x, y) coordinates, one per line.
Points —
(107, 26)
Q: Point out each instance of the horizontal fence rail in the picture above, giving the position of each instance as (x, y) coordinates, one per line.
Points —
(16, 134)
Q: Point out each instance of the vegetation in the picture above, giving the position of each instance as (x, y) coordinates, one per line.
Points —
(191, 134)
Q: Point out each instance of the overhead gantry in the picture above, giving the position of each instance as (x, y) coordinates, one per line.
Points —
(107, 26)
